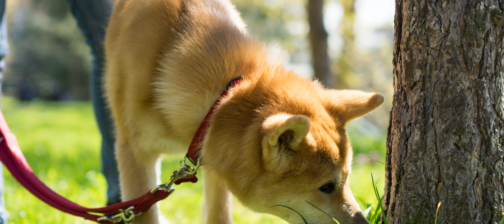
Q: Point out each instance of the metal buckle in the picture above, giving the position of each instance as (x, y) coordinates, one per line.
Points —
(183, 172)
(125, 216)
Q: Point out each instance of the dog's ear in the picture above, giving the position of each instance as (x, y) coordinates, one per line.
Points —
(346, 105)
(283, 135)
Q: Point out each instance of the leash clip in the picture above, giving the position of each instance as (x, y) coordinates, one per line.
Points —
(125, 216)
(184, 174)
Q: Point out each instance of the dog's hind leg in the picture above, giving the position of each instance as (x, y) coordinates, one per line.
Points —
(218, 200)
(137, 175)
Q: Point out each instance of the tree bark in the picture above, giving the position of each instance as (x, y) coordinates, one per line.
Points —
(446, 134)
(318, 41)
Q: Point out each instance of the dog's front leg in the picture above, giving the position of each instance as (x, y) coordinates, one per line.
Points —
(137, 175)
(218, 200)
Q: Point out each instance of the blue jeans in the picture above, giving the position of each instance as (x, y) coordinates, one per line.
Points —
(92, 17)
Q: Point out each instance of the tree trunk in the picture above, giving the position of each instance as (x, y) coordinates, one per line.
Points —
(318, 41)
(446, 134)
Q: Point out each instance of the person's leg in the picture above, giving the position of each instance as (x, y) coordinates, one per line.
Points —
(3, 52)
(92, 17)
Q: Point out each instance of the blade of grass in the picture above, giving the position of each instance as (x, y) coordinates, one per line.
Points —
(378, 211)
(386, 165)
(323, 212)
(437, 210)
(293, 211)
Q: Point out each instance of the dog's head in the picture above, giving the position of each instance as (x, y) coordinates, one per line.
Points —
(283, 161)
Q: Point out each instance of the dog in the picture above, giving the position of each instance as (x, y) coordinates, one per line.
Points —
(275, 139)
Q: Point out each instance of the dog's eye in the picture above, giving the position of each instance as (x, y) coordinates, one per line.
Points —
(328, 188)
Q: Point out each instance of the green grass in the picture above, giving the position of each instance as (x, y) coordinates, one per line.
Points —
(374, 213)
(61, 143)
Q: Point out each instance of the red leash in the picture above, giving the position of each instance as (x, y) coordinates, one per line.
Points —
(14, 160)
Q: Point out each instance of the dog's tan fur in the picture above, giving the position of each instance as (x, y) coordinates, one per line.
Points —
(274, 140)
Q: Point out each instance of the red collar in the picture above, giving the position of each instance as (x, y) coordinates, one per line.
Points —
(195, 146)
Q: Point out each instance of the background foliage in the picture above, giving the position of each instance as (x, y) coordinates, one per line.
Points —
(48, 58)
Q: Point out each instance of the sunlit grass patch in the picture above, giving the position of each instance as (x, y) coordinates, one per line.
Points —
(61, 145)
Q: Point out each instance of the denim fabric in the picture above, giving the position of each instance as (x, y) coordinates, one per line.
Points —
(92, 17)
(3, 51)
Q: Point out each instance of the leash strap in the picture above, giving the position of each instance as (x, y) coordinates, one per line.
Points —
(195, 146)
(14, 160)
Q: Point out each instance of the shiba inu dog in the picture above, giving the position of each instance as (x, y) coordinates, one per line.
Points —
(275, 139)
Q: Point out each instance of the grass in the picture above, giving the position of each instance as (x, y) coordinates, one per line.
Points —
(374, 213)
(61, 143)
